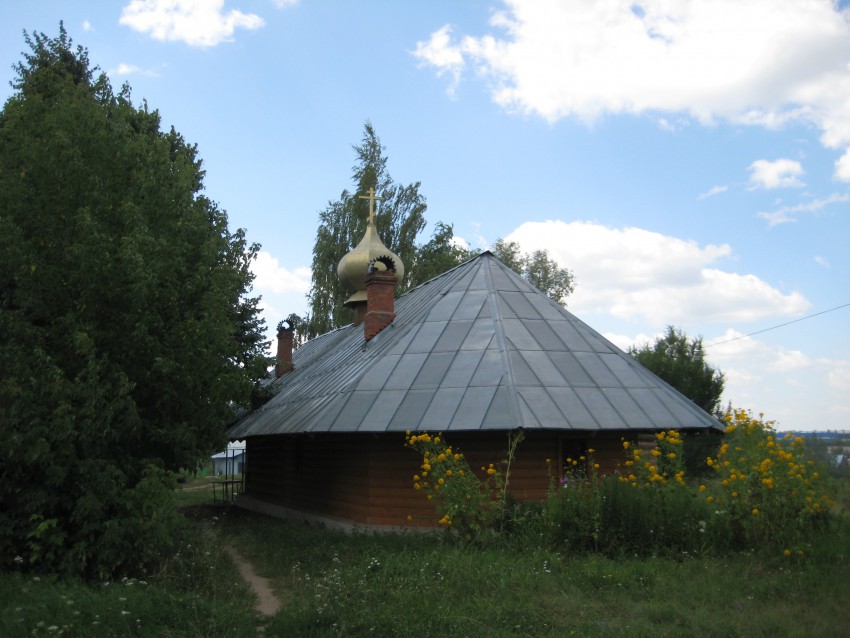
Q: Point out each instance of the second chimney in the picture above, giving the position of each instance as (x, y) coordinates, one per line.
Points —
(285, 337)
(380, 301)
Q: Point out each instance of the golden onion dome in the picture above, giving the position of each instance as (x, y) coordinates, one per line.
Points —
(370, 252)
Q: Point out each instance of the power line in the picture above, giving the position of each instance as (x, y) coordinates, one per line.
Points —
(787, 323)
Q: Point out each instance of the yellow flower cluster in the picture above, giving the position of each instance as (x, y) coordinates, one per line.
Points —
(446, 479)
(765, 478)
(664, 466)
(578, 470)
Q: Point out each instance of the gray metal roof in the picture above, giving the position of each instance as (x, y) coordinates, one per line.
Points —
(477, 348)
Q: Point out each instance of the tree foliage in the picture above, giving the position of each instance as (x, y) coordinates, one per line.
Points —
(436, 256)
(681, 363)
(343, 223)
(127, 331)
(538, 268)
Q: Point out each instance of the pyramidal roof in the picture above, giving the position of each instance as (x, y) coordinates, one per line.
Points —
(476, 348)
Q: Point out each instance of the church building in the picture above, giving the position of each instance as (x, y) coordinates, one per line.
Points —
(475, 353)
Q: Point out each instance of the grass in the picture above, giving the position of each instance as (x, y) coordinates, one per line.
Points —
(333, 584)
(338, 585)
(196, 592)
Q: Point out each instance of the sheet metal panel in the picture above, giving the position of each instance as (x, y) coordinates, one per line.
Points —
(453, 336)
(547, 373)
(382, 410)
(406, 371)
(603, 412)
(470, 305)
(572, 371)
(539, 402)
(520, 305)
(499, 415)
(464, 365)
(444, 306)
(519, 336)
(578, 417)
(433, 370)
(411, 410)
(442, 410)
(544, 336)
(427, 336)
(473, 407)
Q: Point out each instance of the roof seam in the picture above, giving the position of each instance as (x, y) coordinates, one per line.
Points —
(501, 341)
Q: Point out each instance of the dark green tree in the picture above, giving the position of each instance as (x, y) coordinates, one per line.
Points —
(538, 268)
(127, 332)
(438, 255)
(681, 362)
(342, 224)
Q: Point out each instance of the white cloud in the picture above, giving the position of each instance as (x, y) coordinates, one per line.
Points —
(759, 62)
(282, 290)
(125, 69)
(788, 214)
(439, 53)
(781, 173)
(283, 4)
(199, 23)
(788, 360)
(842, 167)
(272, 278)
(822, 261)
(87, 25)
(839, 378)
(635, 274)
(715, 190)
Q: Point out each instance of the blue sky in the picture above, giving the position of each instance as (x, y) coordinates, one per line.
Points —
(690, 162)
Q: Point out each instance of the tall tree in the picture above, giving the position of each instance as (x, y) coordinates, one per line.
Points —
(439, 254)
(681, 363)
(538, 268)
(126, 324)
(342, 224)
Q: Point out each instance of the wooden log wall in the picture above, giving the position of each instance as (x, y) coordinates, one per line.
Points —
(368, 478)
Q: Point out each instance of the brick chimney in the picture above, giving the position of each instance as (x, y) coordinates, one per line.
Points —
(380, 301)
(285, 336)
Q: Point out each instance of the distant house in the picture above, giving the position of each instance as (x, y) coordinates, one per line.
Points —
(475, 353)
(231, 461)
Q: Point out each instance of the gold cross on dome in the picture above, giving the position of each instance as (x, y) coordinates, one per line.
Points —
(372, 199)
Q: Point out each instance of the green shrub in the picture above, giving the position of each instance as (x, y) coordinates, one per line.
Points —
(766, 490)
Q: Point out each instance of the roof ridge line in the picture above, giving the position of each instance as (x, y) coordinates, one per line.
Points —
(501, 341)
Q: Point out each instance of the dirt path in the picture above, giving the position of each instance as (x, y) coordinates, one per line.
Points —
(268, 604)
